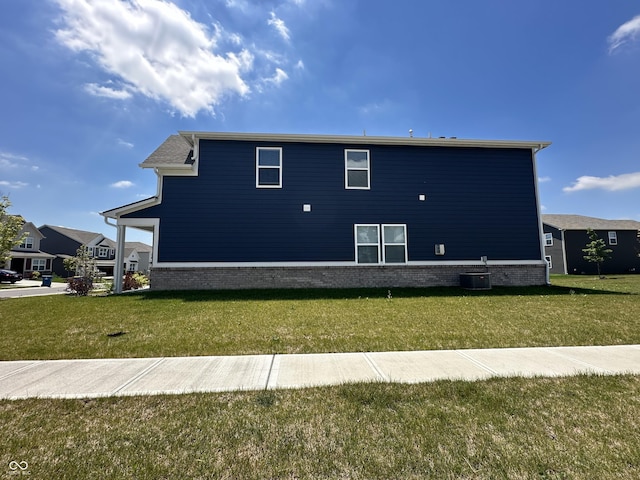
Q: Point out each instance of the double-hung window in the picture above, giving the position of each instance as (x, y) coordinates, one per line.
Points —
(381, 243)
(368, 244)
(27, 242)
(103, 252)
(613, 238)
(39, 264)
(357, 169)
(394, 241)
(548, 239)
(269, 167)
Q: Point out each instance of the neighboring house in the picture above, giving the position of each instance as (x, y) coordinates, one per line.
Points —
(65, 242)
(137, 257)
(27, 257)
(566, 235)
(283, 211)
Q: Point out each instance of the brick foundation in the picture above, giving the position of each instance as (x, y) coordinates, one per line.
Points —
(238, 278)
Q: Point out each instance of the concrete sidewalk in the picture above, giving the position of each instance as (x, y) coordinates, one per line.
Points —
(175, 375)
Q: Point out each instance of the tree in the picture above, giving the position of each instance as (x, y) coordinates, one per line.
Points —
(596, 250)
(10, 226)
(84, 266)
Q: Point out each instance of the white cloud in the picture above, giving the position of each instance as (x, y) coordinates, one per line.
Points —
(627, 32)
(611, 183)
(280, 26)
(108, 92)
(279, 77)
(14, 185)
(123, 184)
(9, 160)
(544, 179)
(300, 65)
(155, 49)
(124, 143)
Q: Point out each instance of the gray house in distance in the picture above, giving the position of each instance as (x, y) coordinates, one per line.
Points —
(251, 210)
(566, 235)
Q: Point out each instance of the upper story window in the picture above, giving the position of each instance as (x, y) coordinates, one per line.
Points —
(548, 240)
(357, 169)
(613, 238)
(103, 252)
(27, 242)
(268, 167)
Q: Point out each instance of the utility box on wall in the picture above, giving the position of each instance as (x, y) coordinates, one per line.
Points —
(476, 281)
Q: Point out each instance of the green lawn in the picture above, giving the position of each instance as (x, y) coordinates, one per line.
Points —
(582, 427)
(574, 311)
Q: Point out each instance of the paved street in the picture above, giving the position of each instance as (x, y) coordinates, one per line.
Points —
(30, 288)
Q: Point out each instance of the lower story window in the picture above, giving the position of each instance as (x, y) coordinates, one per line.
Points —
(39, 264)
(384, 243)
(549, 262)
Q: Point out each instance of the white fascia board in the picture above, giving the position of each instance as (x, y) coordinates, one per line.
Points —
(364, 140)
(130, 208)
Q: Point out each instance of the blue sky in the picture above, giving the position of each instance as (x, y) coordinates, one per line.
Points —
(90, 88)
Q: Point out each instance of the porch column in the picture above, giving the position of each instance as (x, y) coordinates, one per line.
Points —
(118, 269)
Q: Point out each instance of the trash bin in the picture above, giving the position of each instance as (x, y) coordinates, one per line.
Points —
(46, 280)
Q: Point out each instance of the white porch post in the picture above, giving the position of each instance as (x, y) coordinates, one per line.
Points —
(118, 270)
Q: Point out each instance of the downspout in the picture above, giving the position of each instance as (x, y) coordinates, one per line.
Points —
(564, 253)
(118, 268)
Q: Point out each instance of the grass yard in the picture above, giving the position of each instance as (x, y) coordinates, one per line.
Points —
(583, 427)
(574, 311)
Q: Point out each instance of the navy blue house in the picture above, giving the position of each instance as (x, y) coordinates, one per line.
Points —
(236, 210)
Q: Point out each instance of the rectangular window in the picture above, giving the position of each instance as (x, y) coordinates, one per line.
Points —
(103, 252)
(357, 169)
(27, 242)
(268, 167)
(548, 259)
(367, 244)
(372, 247)
(90, 251)
(548, 240)
(39, 264)
(394, 240)
(613, 238)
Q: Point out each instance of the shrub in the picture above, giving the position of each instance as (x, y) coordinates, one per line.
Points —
(80, 286)
(134, 280)
(35, 275)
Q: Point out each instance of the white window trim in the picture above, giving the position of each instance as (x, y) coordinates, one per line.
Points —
(103, 252)
(547, 259)
(259, 167)
(358, 244)
(382, 243)
(548, 240)
(385, 243)
(347, 169)
(28, 242)
(41, 264)
(613, 238)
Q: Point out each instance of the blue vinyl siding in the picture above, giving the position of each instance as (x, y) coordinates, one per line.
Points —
(480, 201)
